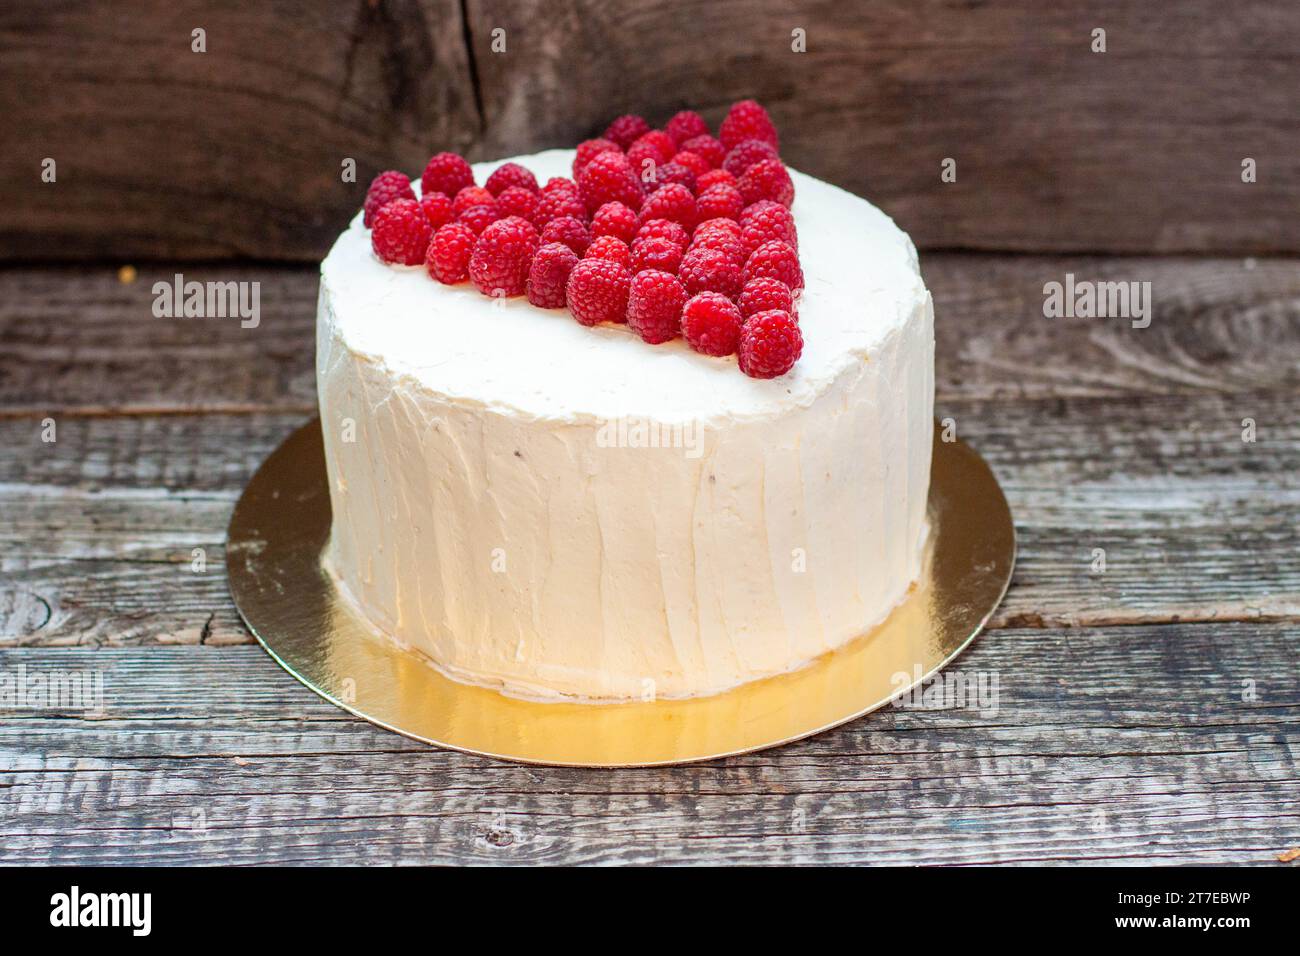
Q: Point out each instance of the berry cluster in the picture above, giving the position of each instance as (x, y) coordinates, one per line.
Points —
(671, 231)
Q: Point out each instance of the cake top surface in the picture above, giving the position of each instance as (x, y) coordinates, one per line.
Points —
(862, 285)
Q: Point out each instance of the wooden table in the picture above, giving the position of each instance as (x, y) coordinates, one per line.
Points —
(1149, 712)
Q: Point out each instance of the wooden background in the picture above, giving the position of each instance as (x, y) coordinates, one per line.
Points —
(1150, 713)
(237, 152)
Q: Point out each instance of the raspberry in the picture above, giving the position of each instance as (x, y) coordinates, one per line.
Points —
(764, 221)
(609, 178)
(707, 148)
(728, 226)
(472, 196)
(696, 163)
(614, 219)
(479, 218)
(548, 275)
(401, 233)
(722, 241)
(654, 306)
(674, 202)
(767, 180)
(674, 232)
(708, 270)
(589, 148)
(747, 120)
(720, 202)
(446, 173)
(674, 173)
(449, 252)
(686, 125)
(626, 130)
(502, 257)
(663, 145)
(437, 209)
(568, 230)
(713, 178)
(518, 201)
(609, 247)
(509, 176)
(770, 344)
(560, 201)
(746, 154)
(383, 189)
(764, 294)
(597, 291)
(656, 253)
(776, 259)
(711, 323)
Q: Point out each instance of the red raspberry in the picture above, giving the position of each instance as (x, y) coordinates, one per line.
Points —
(597, 291)
(696, 163)
(708, 270)
(518, 201)
(720, 202)
(655, 253)
(549, 274)
(449, 252)
(747, 120)
(589, 148)
(558, 202)
(764, 294)
(609, 247)
(479, 218)
(664, 145)
(746, 154)
(383, 189)
(502, 257)
(674, 202)
(673, 173)
(714, 177)
(509, 176)
(559, 184)
(686, 125)
(707, 148)
(614, 219)
(722, 241)
(472, 196)
(764, 221)
(767, 180)
(626, 130)
(437, 209)
(609, 178)
(568, 230)
(776, 259)
(770, 344)
(728, 226)
(446, 173)
(401, 233)
(654, 306)
(711, 323)
(674, 232)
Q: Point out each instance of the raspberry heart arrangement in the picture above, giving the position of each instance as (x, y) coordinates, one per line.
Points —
(671, 231)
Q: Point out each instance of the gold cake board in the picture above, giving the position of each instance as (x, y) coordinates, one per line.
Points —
(282, 521)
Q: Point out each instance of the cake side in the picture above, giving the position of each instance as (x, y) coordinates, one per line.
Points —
(560, 537)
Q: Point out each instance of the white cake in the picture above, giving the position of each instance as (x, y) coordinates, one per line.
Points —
(559, 511)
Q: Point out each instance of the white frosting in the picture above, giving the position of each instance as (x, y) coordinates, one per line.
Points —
(499, 511)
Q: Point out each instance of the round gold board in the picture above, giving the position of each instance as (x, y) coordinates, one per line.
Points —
(282, 521)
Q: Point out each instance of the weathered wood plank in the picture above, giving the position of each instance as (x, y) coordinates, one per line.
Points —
(77, 338)
(1105, 745)
(237, 151)
(99, 530)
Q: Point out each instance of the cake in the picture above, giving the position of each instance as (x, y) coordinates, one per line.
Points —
(563, 512)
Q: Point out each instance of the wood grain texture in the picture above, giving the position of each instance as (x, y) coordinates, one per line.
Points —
(1106, 745)
(77, 339)
(164, 152)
